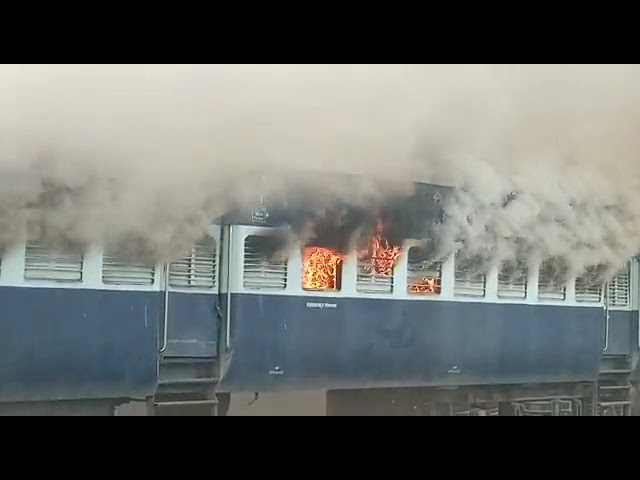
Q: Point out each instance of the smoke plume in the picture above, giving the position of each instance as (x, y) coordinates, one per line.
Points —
(146, 155)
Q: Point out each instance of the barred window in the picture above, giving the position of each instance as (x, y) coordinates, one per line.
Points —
(44, 263)
(424, 277)
(198, 268)
(619, 288)
(371, 280)
(118, 269)
(468, 281)
(263, 269)
(588, 289)
(512, 279)
(552, 280)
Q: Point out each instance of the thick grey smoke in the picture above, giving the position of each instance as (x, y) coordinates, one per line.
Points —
(152, 153)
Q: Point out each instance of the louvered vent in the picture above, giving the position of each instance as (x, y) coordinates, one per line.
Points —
(619, 289)
(262, 269)
(119, 270)
(42, 263)
(198, 269)
(467, 283)
(550, 280)
(368, 281)
(423, 277)
(512, 280)
(587, 291)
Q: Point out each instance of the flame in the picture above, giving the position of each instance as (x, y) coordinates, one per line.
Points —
(380, 257)
(320, 268)
(425, 285)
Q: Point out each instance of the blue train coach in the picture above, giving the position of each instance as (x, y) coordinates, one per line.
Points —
(249, 310)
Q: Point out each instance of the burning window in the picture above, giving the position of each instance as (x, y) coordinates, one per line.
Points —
(588, 287)
(321, 268)
(552, 280)
(424, 277)
(512, 279)
(469, 281)
(376, 263)
(263, 268)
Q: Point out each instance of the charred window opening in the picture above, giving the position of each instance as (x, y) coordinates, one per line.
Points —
(198, 268)
(376, 263)
(264, 269)
(424, 276)
(470, 280)
(321, 268)
(512, 279)
(589, 286)
(619, 288)
(552, 279)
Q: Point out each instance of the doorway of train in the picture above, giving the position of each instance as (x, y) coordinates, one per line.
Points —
(614, 386)
(190, 331)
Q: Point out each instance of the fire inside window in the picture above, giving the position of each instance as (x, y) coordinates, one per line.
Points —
(376, 262)
(424, 276)
(321, 269)
(379, 254)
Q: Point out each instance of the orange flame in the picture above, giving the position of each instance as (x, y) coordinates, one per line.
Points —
(425, 285)
(320, 268)
(381, 257)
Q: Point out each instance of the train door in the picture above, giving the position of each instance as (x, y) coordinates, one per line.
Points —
(618, 315)
(192, 310)
(607, 317)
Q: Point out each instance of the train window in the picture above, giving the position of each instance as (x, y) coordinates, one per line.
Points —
(552, 280)
(424, 277)
(468, 282)
(42, 263)
(374, 276)
(512, 279)
(321, 269)
(619, 289)
(198, 268)
(587, 290)
(118, 269)
(263, 269)
(376, 260)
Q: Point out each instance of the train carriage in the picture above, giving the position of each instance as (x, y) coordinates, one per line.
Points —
(394, 332)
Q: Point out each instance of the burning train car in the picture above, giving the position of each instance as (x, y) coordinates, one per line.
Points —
(363, 301)
(375, 310)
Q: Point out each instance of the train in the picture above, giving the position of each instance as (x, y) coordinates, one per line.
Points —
(84, 332)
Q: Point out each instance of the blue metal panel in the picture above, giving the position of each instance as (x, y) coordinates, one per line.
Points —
(77, 344)
(193, 325)
(280, 343)
(622, 333)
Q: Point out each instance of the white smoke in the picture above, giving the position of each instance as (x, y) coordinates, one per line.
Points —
(155, 152)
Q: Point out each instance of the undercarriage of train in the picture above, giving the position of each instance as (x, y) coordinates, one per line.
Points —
(611, 395)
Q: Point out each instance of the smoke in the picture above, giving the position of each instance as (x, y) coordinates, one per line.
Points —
(147, 155)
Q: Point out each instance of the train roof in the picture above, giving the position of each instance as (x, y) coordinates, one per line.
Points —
(304, 196)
